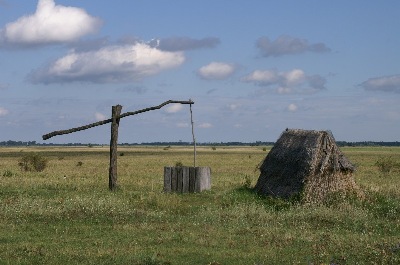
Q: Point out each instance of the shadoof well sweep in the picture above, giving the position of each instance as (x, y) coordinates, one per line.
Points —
(197, 178)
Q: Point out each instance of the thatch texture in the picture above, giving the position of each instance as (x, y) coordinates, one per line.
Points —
(306, 163)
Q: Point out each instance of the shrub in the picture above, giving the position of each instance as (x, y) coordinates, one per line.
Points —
(8, 173)
(33, 162)
(264, 149)
(247, 182)
(79, 164)
(385, 164)
(179, 164)
(213, 148)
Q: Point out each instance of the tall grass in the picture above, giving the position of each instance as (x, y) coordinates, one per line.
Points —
(66, 215)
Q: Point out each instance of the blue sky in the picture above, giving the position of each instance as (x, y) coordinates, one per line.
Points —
(253, 68)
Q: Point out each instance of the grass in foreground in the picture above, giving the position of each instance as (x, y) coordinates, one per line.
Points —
(66, 215)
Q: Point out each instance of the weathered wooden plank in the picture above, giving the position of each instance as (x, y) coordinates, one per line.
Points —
(185, 179)
(167, 179)
(202, 181)
(192, 179)
(179, 179)
(174, 179)
(208, 179)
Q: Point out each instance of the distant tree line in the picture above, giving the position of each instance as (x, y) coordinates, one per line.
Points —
(17, 143)
(258, 143)
(367, 143)
(181, 143)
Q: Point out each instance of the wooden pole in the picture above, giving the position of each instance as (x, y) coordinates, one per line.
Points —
(112, 177)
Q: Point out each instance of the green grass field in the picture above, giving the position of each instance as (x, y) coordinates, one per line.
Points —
(66, 215)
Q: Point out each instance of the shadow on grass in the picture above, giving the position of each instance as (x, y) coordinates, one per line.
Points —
(244, 194)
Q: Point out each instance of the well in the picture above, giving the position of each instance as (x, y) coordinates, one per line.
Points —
(187, 179)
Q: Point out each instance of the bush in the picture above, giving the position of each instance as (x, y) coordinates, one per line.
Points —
(247, 182)
(385, 164)
(8, 173)
(79, 164)
(33, 162)
(179, 164)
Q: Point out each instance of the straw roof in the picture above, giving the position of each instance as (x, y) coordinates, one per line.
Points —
(308, 163)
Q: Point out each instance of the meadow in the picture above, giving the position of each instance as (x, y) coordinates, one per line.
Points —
(66, 215)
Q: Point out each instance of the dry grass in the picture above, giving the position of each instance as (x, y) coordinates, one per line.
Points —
(66, 215)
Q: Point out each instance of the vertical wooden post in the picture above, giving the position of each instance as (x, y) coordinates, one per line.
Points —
(174, 179)
(167, 179)
(192, 178)
(185, 179)
(112, 177)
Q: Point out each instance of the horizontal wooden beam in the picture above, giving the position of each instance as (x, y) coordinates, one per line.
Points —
(85, 127)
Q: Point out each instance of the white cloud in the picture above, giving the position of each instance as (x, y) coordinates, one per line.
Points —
(114, 63)
(100, 116)
(294, 81)
(216, 71)
(173, 108)
(262, 77)
(294, 77)
(205, 125)
(292, 107)
(50, 24)
(3, 111)
(385, 83)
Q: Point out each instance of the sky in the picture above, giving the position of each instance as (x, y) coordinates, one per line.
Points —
(253, 69)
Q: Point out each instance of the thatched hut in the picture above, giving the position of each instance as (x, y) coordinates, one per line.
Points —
(306, 163)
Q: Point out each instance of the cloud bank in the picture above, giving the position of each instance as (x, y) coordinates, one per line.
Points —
(294, 81)
(50, 24)
(385, 83)
(184, 43)
(114, 63)
(285, 45)
(216, 71)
